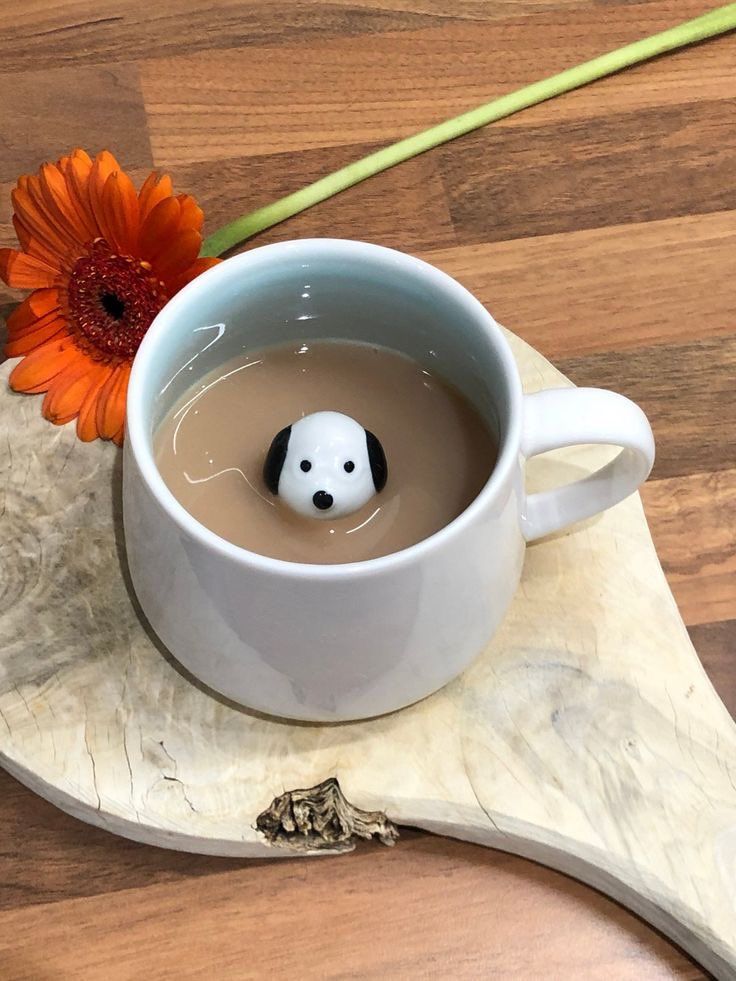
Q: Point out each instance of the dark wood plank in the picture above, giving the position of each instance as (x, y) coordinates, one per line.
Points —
(716, 645)
(45, 35)
(687, 392)
(693, 522)
(71, 859)
(427, 908)
(48, 113)
(574, 293)
(40, 34)
(404, 208)
(506, 183)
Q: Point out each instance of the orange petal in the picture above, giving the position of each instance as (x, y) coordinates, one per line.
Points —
(32, 213)
(196, 269)
(60, 204)
(37, 305)
(66, 394)
(155, 188)
(35, 247)
(111, 403)
(80, 154)
(35, 372)
(34, 186)
(192, 215)
(120, 203)
(24, 271)
(179, 255)
(119, 436)
(24, 236)
(87, 420)
(49, 328)
(15, 332)
(54, 229)
(104, 165)
(77, 179)
(159, 228)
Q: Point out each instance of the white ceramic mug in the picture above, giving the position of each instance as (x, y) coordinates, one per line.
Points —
(338, 642)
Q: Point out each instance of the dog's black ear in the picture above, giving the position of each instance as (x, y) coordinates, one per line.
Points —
(377, 460)
(275, 459)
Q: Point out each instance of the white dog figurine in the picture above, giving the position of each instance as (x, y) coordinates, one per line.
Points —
(325, 465)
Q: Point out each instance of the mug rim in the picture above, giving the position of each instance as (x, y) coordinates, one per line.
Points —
(139, 441)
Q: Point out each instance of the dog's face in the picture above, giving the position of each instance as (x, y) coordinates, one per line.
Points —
(325, 465)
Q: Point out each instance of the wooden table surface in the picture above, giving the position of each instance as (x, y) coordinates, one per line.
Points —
(601, 227)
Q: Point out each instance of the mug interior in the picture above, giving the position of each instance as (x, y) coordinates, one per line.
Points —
(322, 289)
(309, 290)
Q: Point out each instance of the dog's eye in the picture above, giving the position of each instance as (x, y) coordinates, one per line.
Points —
(349, 466)
(306, 466)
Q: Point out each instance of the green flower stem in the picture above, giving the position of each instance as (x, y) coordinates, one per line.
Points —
(709, 25)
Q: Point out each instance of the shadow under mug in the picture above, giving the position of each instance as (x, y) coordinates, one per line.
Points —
(340, 642)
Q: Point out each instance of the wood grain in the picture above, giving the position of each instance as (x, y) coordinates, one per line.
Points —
(570, 292)
(354, 917)
(72, 103)
(575, 294)
(405, 207)
(265, 99)
(716, 642)
(568, 175)
(692, 521)
(44, 35)
(687, 392)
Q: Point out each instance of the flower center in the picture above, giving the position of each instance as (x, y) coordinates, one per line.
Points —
(113, 300)
(113, 305)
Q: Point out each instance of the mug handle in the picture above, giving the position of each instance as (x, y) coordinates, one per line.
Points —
(558, 417)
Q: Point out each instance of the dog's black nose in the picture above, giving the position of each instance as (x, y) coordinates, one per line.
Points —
(322, 500)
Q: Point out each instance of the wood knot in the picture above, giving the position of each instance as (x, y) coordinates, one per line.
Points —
(322, 818)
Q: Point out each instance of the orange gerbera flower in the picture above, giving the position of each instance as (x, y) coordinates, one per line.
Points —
(102, 260)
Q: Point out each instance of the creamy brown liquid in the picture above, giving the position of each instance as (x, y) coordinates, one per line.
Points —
(211, 447)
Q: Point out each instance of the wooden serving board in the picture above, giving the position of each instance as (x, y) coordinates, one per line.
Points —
(587, 736)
